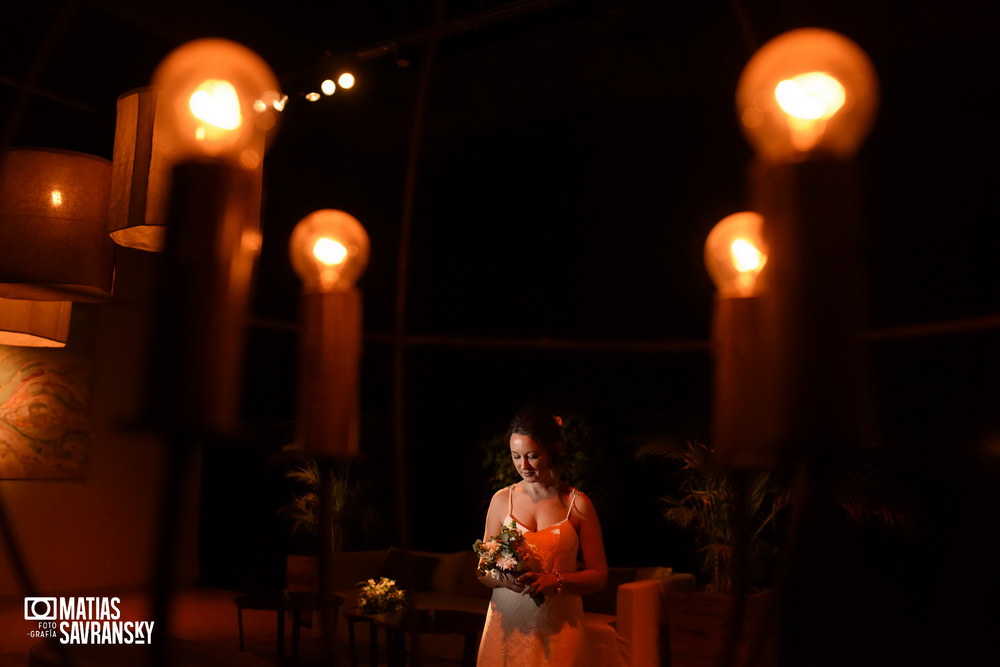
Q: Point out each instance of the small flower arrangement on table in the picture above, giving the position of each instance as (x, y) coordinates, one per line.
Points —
(380, 596)
(507, 552)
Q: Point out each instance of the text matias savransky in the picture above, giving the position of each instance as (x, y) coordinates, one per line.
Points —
(84, 620)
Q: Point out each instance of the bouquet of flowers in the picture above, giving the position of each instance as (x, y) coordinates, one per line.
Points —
(507, 552)
(380, 596)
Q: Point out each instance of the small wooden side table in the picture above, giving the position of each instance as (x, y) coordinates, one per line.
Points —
(281, 602)
(353, 619)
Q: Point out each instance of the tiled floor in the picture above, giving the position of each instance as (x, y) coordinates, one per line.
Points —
(205, 627)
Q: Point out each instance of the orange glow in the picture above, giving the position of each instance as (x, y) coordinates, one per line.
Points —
(57, 198)
(250, 159)
(328, 87)
(746, 256)
(810, 96)
(329, 251)
(215, 98)
(807, 91)
(735, 254)
(216, 103)
(270, 100)
(312, 97)
(809, 100)
(346, 80)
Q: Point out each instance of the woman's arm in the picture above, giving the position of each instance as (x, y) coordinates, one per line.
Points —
(594, 575)
(494, 522)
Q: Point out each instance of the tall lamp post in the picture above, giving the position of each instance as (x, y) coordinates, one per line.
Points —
(806, 101)
(329, 252)
(735, 254)
(217, 102)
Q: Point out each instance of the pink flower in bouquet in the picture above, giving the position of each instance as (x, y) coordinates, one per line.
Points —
(507, 563)
(506, 552)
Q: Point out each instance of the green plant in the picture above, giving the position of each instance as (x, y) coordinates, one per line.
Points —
(705, 503)
(302, 510)
(855, 482)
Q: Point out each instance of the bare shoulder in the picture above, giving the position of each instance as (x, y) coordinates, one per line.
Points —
(584, 506)
(500, 500)
(496, 512)
(502, 495)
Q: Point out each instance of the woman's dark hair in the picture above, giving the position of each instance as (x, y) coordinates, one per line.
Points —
(543, 427)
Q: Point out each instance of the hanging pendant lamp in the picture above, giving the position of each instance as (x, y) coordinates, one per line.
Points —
(34, 323)
(140, 174)
(53, 226)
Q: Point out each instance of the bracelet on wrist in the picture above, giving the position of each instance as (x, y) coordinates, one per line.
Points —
(560, 582)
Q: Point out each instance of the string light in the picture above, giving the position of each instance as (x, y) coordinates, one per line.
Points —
(346, 80)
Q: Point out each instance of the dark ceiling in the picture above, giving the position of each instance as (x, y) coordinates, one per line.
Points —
(592, 137)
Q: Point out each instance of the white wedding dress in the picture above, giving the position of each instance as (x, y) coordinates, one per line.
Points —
(519, 633)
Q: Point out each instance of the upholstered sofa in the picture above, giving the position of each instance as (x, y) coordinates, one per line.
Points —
(625, 623)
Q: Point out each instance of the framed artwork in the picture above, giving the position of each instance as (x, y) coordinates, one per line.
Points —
(45, 413)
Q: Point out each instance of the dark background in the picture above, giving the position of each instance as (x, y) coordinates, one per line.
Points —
(574, 156)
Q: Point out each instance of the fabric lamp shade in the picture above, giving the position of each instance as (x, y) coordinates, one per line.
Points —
(34, 323)
(53, 226)
(140, 174)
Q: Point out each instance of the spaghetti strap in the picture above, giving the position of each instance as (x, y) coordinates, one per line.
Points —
(572, 501)
(510, 501)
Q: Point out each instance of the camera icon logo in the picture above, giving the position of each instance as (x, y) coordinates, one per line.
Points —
(40, 609)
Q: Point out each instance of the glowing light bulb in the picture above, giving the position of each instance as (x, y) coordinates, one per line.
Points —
(746, 256)
(215, 98)
(810, 96)
(217, 104)
(346, 80)
(57, 198)
(735, 254)
(329, 251)
(808, 91)
(328, 87)
(312, 97)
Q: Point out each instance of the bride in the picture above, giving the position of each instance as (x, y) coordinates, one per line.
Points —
(560, 524)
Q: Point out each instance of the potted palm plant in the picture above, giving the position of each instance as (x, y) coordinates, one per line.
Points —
(715, 503)
(302, 511)
(706, 502)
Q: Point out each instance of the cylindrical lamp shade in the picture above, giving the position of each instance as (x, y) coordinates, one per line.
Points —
(54, 244)
(140, 175)
(807, 92)
(34, 323)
